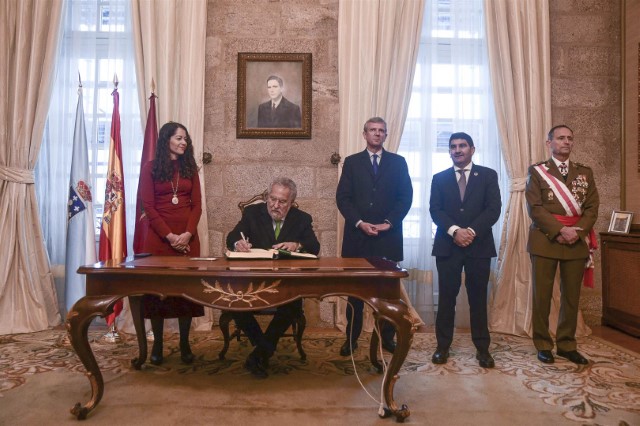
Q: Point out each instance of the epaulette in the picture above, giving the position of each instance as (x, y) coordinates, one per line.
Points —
(540, 162)
(582, 165)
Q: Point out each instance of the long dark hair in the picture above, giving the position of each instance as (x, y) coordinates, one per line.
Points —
(162, 168)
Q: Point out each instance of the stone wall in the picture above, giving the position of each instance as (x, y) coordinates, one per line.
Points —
(586, 96)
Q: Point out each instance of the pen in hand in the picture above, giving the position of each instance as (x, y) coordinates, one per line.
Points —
(243, 244)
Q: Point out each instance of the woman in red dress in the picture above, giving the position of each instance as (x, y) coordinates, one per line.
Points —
(170, 190)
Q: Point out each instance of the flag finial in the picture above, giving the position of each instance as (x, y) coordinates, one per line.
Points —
(115, 80)
(153, 86)
(79, 83)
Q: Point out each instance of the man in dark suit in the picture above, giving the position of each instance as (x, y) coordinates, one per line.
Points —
(374, 195)
(278, 112)
(465, 203)
(563, 202)
(273, 224)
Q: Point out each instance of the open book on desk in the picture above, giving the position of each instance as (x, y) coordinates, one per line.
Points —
(256, 253)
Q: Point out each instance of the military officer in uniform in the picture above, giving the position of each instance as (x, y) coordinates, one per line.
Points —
(563, 202)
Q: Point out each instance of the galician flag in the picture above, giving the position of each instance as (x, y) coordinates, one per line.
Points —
(113, 231)
(81, 245)
(148, 153)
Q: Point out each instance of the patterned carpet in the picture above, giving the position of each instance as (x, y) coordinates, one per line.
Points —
(607, 391)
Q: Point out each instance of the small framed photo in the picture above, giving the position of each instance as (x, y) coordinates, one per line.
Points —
(620, 222)
(274, 95)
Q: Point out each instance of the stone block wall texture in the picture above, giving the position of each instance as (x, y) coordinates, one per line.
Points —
(587, 96)
(586, 85)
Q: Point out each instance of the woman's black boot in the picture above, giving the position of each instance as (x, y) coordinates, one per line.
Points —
(184, 324)
(157, 325)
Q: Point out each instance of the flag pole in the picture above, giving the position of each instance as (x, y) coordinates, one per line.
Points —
(113, 235)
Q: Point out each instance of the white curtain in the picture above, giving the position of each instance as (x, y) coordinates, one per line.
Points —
(451, 93)
(96, 45)
(519, 48)
(378, 43)
(29, 35)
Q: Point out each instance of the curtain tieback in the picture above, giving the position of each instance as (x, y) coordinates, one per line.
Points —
(14, 174)
(518, 184)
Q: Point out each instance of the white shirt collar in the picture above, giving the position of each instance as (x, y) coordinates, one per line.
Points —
(371, 154)
(558, 162)
(467, 168)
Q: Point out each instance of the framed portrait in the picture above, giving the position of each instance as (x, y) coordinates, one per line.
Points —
(274, 95)
(620, 222)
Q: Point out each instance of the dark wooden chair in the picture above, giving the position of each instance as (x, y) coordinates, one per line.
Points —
(298, 324)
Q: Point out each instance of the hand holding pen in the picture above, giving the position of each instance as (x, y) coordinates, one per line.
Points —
(243, 244)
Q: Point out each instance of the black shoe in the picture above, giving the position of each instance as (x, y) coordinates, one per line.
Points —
(255, 366)
(440, 356)
(156, 354)
(485, 359)
(389, 346)
(546, 357)
(574, 357)
(347, 348)
(186, 355)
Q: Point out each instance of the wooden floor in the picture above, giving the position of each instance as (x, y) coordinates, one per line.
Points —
(617, 337)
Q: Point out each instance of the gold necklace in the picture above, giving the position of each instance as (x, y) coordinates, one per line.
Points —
(174, 200)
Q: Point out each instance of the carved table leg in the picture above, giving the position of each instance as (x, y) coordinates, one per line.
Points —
(78, 321)
(397, 313)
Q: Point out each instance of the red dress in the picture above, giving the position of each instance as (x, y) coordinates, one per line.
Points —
(164, 218)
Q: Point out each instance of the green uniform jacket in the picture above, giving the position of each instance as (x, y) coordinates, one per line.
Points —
(542, 204)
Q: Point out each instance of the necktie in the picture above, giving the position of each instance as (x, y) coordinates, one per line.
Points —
(375, 164)
(278, 223)
(462, 183)
(563, 169)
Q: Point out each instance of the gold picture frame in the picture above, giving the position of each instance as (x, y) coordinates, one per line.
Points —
(274, 95)
(620, 222)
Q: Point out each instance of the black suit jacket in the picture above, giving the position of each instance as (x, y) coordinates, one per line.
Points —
(257, 226)
(479, 210)
(362, 196)
(287, 115)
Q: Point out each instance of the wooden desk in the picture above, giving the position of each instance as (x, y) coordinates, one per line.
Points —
(239, 285)
(620, 271)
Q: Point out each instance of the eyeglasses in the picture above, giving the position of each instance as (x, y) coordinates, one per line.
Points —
(278, 201)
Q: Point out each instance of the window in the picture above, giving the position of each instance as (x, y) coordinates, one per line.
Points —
(96, 46)
(451, 93)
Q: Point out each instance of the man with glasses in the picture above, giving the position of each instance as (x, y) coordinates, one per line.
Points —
(274, 224)
(374, 195)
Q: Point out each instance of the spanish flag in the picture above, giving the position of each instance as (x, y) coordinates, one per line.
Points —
(113, 231)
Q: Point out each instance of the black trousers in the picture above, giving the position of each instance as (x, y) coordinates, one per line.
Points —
(449, 282)
(354, 322)
(267, 342)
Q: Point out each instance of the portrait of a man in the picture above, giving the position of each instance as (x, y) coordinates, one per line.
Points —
(278, 111)
(274, 95)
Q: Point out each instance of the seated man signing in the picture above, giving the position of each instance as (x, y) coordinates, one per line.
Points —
(274, 224)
